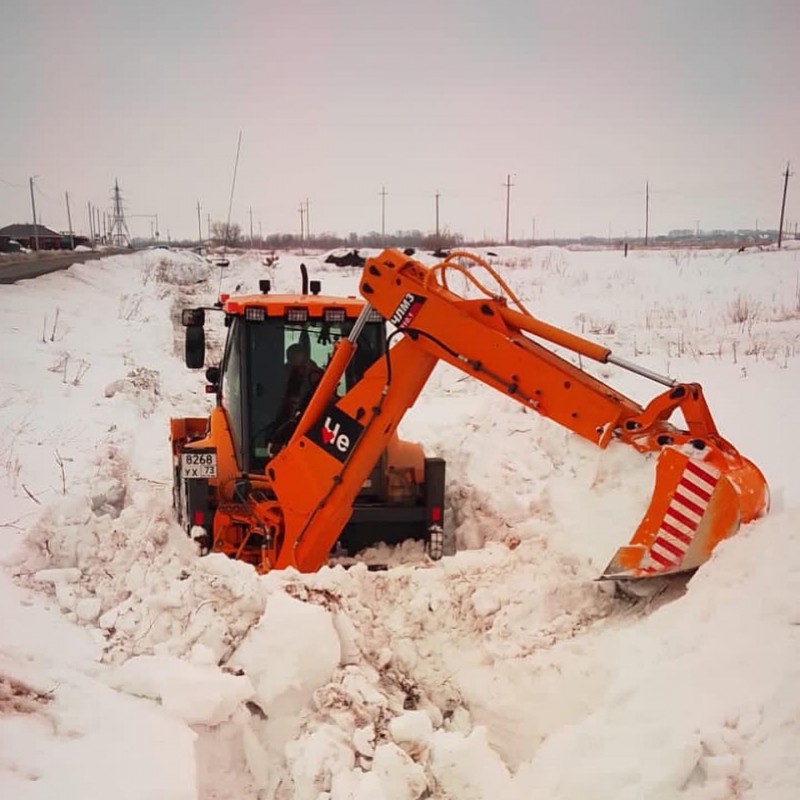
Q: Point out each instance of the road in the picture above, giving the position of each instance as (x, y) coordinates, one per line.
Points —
(30, 265)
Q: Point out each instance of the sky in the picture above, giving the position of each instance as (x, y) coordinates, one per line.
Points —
(582, 104)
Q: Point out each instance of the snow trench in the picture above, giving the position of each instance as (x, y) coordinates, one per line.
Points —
(505, 671)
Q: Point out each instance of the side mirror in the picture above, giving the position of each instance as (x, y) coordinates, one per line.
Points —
(195, 351)
(193, 316)
(212, 375)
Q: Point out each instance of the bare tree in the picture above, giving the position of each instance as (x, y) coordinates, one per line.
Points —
(226, 234)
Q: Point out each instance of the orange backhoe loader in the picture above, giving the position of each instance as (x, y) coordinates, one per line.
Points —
(301, 451)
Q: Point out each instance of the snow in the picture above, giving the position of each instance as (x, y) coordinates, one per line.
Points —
(199, 694)
(132, 667)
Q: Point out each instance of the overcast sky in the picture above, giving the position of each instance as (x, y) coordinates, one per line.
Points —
(581, 102)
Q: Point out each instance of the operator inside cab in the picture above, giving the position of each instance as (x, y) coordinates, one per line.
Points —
(302, 375)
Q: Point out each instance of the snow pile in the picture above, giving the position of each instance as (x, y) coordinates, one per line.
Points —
(133, 666)
(65, 733)
(199, 694)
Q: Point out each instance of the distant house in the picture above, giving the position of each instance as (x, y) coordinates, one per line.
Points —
(30, 236)
(67, 240)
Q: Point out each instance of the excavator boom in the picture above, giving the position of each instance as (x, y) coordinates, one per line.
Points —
(704, 488)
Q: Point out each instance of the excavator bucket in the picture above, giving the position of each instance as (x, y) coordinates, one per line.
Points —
(696, 503)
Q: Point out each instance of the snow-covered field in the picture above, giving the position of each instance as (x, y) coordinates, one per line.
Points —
(131, 668)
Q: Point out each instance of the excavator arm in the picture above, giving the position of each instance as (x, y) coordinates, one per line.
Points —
(704, 488)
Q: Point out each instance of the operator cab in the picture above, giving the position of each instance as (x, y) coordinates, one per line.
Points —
(273, 363)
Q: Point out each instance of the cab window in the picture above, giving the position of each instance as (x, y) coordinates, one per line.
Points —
(231, 389)
(286, 361)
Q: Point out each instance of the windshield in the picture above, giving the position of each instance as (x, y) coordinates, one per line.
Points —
(285, 361)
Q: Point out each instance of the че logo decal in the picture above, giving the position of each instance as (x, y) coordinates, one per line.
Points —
(336, 433)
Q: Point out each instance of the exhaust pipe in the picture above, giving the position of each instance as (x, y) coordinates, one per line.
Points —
(304, 277)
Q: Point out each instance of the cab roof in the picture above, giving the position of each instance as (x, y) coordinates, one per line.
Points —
(275, 305)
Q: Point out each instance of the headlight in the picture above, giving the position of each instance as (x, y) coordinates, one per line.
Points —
(255, 314)
(296, 314)
(334, 315)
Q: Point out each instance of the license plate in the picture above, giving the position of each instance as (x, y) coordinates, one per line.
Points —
(199, 465)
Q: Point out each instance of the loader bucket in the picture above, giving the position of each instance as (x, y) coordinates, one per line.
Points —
(696, 504)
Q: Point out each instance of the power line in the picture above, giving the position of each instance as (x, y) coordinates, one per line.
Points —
(44, 194)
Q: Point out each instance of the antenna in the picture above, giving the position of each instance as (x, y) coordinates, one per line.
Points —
(233, 186)
(223, 262)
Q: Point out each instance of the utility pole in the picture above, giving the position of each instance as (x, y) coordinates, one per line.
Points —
(69, 222)
(251, 227)
(508, 186)
(91, 224)
(783, 203)
(646, 211)
(35, 228)
(208, 220)
(199, 226)
(308, 220)
(383, 216)
(437, 217)
(302, 228)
